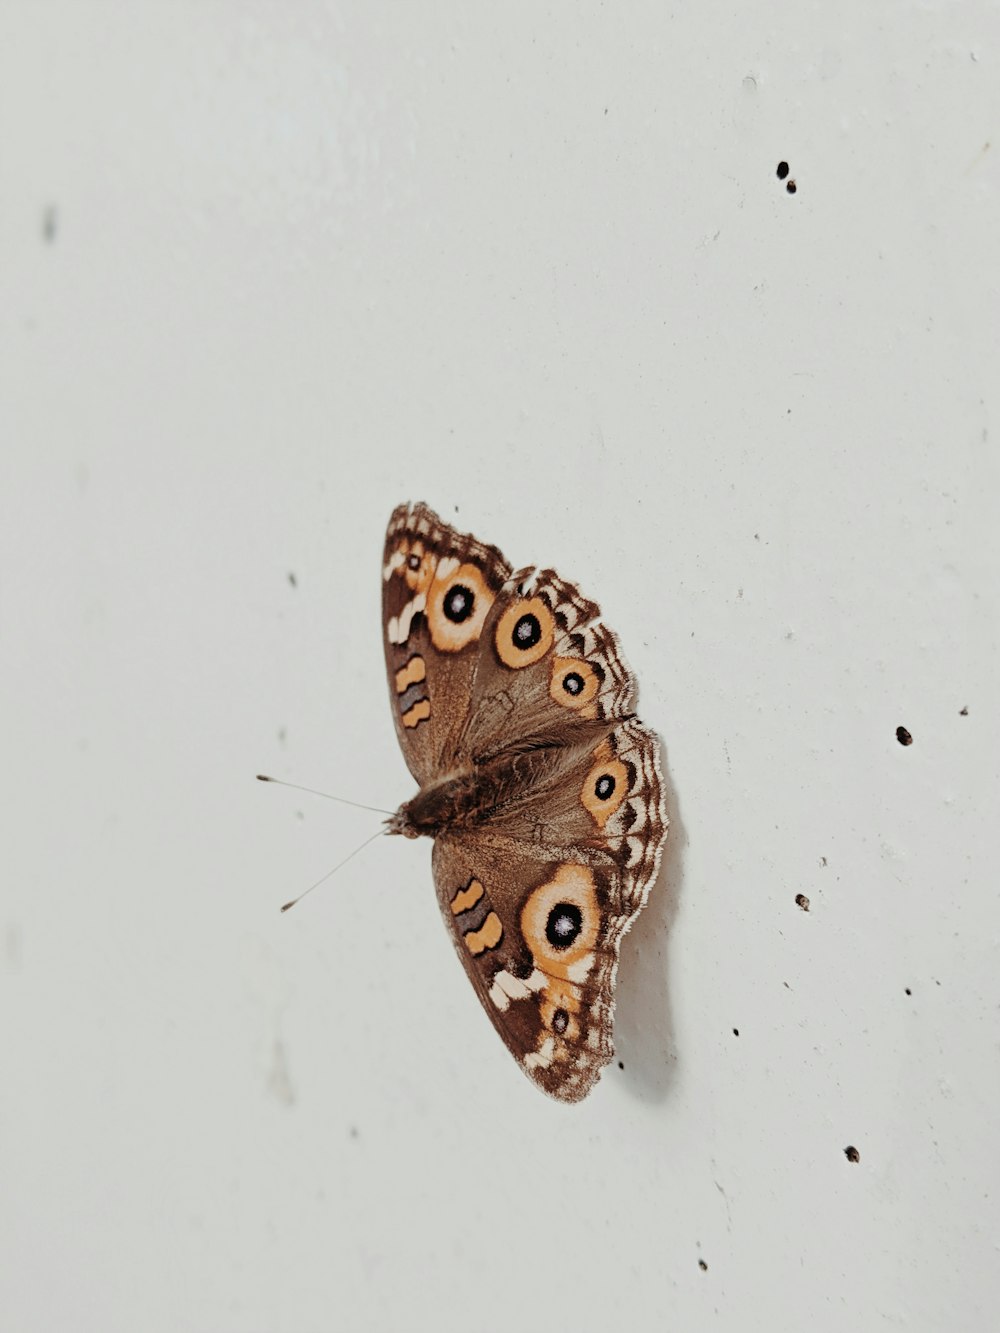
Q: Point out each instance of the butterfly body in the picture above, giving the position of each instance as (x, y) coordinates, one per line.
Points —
(539, 785)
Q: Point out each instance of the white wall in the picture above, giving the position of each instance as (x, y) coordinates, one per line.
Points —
(268, 269)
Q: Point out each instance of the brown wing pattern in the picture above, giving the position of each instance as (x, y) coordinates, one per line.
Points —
(512, 683)
(437, 587)
(538, 932)
(547, 654)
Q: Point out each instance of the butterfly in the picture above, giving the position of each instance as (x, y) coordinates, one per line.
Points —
(539, 785)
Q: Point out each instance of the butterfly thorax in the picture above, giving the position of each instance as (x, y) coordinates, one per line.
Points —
(478, 793)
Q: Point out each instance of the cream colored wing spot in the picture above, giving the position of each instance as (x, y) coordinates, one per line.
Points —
(412, 673)
(467, 897)
(543, 1057)
(394, 562)
(507, 987)
(398, 629)
(488, 936)
(524, 632)
(419, 712)
(457, 603)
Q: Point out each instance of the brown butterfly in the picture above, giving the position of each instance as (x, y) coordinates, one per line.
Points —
(538, 783)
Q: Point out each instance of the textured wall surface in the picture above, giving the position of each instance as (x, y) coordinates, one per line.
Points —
(268, 269)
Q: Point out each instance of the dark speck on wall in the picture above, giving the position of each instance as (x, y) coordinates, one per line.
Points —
(963, 712)
(621, 1065)
(50, 224)
(802, 901)
(851, 1153)
(782, 173)
(903, 736)
(736, 1032)
(908, 991)
(702, 1265)
(292, 579)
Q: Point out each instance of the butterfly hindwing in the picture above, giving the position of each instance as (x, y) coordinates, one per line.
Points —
(535, 939)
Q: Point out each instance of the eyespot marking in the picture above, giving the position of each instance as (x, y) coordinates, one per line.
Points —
(574, 684)
(565, 921)
(488, 936)
(524, 633)
(560, 920)
(605, 788)
(457, 603)
(413, 563)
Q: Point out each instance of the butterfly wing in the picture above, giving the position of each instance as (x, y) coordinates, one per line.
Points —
(489, 671)
(438, 586)
(550, 670)
(537, 903)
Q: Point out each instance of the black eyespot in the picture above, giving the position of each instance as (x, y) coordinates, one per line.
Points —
(573, 682)
(604, 788)
(564, 924)
(413, 561)
(458, 603)
(560, 1021)
(527, 632)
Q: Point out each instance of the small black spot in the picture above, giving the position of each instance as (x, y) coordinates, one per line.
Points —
(573, 682)
(564, 924)
(802, 901)
(736, 1032)
(527, 632)
(458, 603)
(292, 579)
(851, 1153)
(604, 788)
(963, 712)
(560, 1021)
(621, 1064)
(791, 187)
(908, 991)
(413, 560)
(702, 1265)
(782, 170)
(903, 736)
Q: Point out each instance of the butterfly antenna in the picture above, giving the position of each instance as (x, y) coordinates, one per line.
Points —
(323, 878)
(280, 782)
